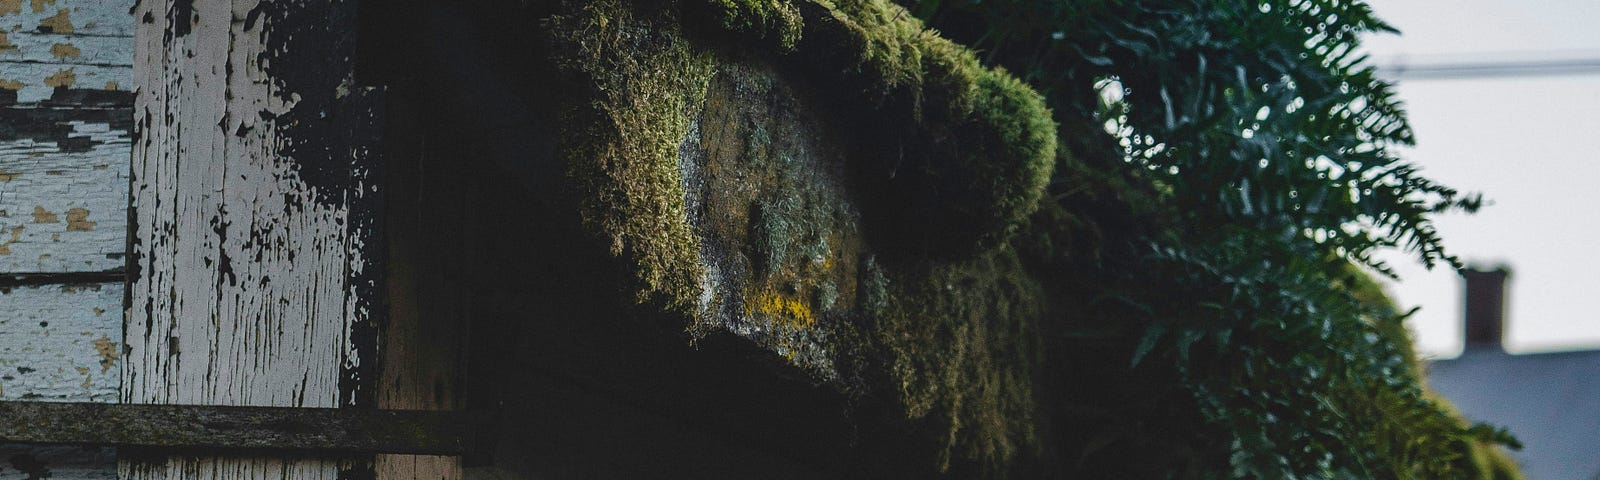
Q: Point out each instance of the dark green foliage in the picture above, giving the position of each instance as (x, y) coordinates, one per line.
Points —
(1230, 160)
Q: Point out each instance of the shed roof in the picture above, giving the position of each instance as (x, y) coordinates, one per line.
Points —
(1550, 401)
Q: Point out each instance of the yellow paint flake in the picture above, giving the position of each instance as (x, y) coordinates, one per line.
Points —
(8, 7)
(10, 84)
(61, 22)
(39, 5)
(4, 175)
(99, 311)
(782, 309)
(64, 78)
(64, 51)
(108, 353)
(16, 235)
(78, 220)
(40, 215)
(5, 42)
(109, 86)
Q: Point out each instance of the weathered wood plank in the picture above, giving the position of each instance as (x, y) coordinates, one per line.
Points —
(63, 208)
(81, 17)
(48, 45)
(32, 462)
(60, 342)
(33, 47)
(253, 197)
(219, 428)
(39, 82)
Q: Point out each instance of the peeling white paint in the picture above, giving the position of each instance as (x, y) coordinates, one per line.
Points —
(89, 17)
(60, 343)
(40, 184)
(242, 294)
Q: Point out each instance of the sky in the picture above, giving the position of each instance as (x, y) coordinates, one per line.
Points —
(1530, 144)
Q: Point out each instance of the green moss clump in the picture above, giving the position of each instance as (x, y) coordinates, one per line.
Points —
(775, 20)
(962, 348)
(949, 158)
(644, 83)
(957, 153)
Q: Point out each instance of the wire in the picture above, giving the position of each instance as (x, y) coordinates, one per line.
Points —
(1500, 69)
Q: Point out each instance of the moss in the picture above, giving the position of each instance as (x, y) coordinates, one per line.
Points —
(644, 83)
(962, 347)
(957, 153)
(775, 20)
(944, 158)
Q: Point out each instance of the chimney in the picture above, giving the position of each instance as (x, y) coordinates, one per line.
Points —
(1485, 308)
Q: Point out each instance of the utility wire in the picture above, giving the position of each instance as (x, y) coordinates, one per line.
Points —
(1499, 69)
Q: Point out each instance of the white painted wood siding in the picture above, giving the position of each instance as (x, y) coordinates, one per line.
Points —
(60, 342)
(65, 118)
(247, 271)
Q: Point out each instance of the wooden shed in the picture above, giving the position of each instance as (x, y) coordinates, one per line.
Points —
(264, 238)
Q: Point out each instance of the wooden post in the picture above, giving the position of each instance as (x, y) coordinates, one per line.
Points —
(255, 250)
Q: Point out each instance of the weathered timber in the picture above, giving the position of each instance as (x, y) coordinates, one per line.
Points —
(200, 428)
(60, 342)
(256, 253)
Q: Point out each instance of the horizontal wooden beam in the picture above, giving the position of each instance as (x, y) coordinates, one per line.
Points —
(208, 428)
(60, 278)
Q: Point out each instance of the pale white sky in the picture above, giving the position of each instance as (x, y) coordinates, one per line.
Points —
(1530, 144)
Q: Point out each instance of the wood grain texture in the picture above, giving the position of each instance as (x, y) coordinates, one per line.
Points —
(429, 218)
(60, 342)
(64, 209)
(51, 44)
(213, 428)
(65, 121)
(32, 462)
(254, 265)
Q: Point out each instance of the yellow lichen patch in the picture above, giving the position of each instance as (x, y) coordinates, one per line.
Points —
(78, 220)
(16, 235)
(109, 86)
(40, 215)
(6, 176)
(8, 7)
(64, 78)
(39, 5)
(99, 311)
(108, 353)
(64, 51)
(61, 22)
(781, 309)
(5, 42)
(8, 84)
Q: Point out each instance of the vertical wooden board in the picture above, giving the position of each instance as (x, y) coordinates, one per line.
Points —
(253, 196)
(59, 343)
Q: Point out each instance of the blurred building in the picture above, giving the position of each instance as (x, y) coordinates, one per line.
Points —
(1550, 401)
